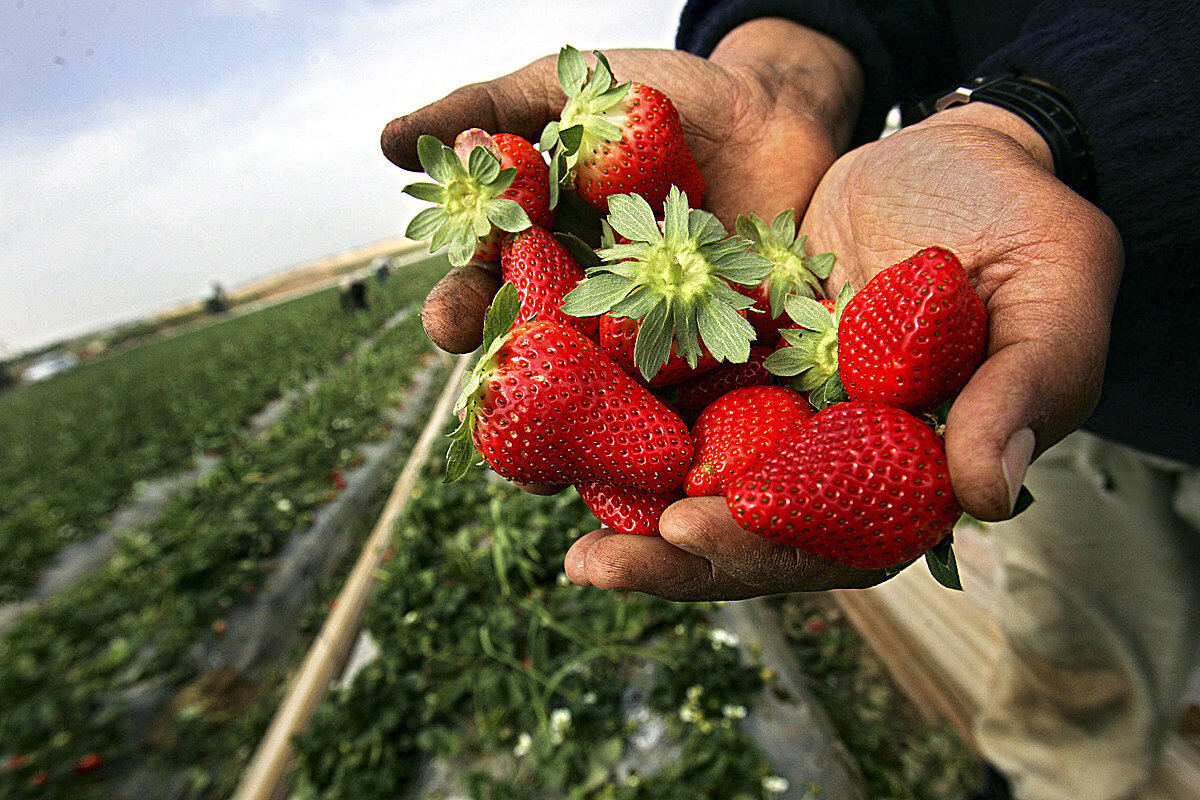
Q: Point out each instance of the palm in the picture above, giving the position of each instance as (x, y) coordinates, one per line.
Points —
(1044, 261)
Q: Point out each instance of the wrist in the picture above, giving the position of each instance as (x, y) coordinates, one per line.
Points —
(800, 68)
(1000, 120)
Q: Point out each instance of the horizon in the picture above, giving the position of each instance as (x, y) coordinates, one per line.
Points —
(150, 150)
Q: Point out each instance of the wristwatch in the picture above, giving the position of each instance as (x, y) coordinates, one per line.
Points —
(1045, 108)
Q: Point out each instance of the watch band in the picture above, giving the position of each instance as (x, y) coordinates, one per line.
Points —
(1043, 107)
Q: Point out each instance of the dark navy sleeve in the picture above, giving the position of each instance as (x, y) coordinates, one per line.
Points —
(1130, 71)
(891, 41)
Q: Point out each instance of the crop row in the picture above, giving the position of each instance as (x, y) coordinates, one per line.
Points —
(75, 674)
(528, 685)
(75, 445)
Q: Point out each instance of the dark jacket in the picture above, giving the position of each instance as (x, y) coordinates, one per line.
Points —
(1131, 70)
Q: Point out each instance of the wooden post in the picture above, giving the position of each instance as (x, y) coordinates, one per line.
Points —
(264, 778)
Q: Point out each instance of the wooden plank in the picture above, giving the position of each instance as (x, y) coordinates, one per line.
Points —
(264, 778)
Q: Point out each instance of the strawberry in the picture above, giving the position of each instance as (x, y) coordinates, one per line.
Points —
(793, 271)
(617, 336)
(543, 270)
(675, 280)
(617, 139)
(545, 405)
(485, 186)
(626, 509)
(737, 430)
(89, 762)
(910, 338)
(863, 484)
(694, 395)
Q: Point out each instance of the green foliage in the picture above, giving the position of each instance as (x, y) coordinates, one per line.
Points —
(75, 445)
(71, 672)
(492, 659)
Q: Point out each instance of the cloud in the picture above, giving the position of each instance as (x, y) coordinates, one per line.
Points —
(268, 167)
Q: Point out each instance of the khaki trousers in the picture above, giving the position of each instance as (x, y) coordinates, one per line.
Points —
(1101, 619)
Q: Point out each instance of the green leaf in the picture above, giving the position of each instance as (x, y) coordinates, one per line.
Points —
(429, 192)
(742, 266)
(652, 347)
(460, 454)
(631, 216)
(501, 314)
(558, 168)
(611, 97)
(675, 217)
(808, 313)
(786, 362)
(426, 221)
(777, 293)
(725, 333)
(549, 138)
(429, 152)
(482, 165)
(596, 295)
(942, 564)
(784, 226)
(571, 138)
(602, 128)
(637, 304)
(820, 265)
(687, 334)
(462, 247)
(572, 70)
(506, 214)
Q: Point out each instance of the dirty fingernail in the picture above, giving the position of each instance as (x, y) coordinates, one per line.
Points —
(1015, 462)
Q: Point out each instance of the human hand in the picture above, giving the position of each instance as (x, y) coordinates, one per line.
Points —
(977, 180)
(764, 117)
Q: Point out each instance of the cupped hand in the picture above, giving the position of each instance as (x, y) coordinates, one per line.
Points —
(1047, 263)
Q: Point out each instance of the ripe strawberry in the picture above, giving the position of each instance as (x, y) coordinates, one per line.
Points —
(675, 280)
(543, 271)
(737, 430)
(863, 484)
(794, 272)
(617, 336)
(89, 762)
(626, 509)
(695, 394)
(910, 338)
(545, 405)
(485, 186)
(617, 139)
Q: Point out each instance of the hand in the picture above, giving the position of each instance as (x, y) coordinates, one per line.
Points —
(978, 180)
(764, 117)
(704, 555)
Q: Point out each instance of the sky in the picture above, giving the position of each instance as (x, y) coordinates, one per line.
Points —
(148, 149)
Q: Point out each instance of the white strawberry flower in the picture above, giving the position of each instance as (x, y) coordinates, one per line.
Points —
(721, 637)
(524, 742)
(775, 784)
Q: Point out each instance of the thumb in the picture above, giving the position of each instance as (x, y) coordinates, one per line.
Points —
(453, 311)
(521, 102)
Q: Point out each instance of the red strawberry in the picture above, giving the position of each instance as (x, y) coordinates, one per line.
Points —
(863, 484)
(617, 139)
(543, 271)
(737, 430)
(485, 186)
(617, 337)
(910, 338)
(89, 762)
(695, 394)
(545, 405)
(793, 271)
(626, 509)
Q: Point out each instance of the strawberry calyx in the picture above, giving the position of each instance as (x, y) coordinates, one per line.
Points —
(810, 353)
(675, 279)
(497, 321)
(466, 195)
(794, 271)
(591, 116)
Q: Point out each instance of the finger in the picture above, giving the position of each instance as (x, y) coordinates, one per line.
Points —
(648, 564)
(453, 312)
(704, 527)
(521, 102)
